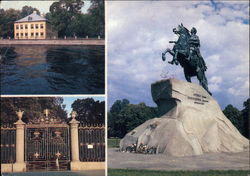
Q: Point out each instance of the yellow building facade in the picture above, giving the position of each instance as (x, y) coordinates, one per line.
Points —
(33, 27)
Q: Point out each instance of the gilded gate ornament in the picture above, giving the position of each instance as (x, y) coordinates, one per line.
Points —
(36, 155)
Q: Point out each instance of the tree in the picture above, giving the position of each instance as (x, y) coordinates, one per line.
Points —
(64, 14)
(118, 106)
(32, 106)
(71, 6)
(7, 19)
(83, 25)
(123, 117)
(96, 10)
(245, 117)
(68, 20)
(27, 10)
(234, 115)
(114, 118)
(89, 111)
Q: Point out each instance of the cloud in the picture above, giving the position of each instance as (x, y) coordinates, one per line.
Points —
(139, 31)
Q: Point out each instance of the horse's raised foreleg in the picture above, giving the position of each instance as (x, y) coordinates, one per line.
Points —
(165, 52)
(171, 52)
(174, 54)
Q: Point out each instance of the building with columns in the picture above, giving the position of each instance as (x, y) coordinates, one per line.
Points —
(33, 26)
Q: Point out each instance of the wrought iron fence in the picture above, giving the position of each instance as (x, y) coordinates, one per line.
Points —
(44, 143)
(92, 142)
(8, 143)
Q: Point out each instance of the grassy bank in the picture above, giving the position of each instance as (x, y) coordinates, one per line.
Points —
(113, 142)
(132, 172)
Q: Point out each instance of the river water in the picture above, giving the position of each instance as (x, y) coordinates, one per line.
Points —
(52, 70)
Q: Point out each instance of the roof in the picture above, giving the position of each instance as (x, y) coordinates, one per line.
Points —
(32, 17)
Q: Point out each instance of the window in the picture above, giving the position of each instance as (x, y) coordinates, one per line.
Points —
(17, 26)
(21, 34)
(26, 26)
(32, 34)
(41, 26)
(26, 34)
(21, 26)
(41, 33)
(32, 26)
(17, 34)
(36, 33)
(36, 26)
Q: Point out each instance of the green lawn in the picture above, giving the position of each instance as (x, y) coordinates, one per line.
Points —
(113, 142)
(132, 172)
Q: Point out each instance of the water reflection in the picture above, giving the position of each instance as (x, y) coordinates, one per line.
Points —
(52, 70)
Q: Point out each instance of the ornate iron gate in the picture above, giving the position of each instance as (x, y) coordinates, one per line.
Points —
(92, 142)
(8, 143)
(47, 144)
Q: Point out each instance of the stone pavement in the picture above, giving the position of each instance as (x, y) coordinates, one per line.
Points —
(211, 161)
(68, 173)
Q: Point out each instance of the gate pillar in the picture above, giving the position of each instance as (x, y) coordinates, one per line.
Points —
(19, 165)
(75, 163)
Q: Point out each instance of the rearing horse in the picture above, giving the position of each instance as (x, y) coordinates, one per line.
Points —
(191, 62)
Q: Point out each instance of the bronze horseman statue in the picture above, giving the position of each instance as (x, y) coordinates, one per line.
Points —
(186, 51)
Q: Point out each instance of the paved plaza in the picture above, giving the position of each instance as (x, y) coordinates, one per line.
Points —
(212, 161)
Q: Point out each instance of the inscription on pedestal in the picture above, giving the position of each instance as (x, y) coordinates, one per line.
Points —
(198, 99)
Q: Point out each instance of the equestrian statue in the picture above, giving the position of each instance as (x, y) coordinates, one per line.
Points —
(186, 52)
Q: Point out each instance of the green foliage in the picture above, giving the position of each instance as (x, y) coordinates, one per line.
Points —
(32, 106)
(240, 119)
(68, 20)
(89, 111)
(135, 172)
(245, 116)
(7, 19)
(234, 115)
(27, 10)
(63, 14)
(96, 11)
(123, 117)
(113, 142)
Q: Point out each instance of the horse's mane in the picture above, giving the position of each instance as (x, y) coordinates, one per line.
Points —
(187, 31)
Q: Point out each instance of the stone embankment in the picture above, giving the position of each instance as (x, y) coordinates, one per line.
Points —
(54, 42)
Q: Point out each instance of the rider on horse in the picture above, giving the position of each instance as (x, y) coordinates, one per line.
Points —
(186, 52)
(194, 49)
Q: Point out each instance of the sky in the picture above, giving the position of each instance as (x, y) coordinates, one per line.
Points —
(139, 31)
(42, 6)
(68, 100)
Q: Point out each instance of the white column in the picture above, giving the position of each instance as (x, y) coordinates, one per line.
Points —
(75, 163)
(19, 165)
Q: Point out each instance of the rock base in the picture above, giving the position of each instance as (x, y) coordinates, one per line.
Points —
(192, 123)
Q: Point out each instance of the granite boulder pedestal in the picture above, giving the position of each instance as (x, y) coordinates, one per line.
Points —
(191, 123)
